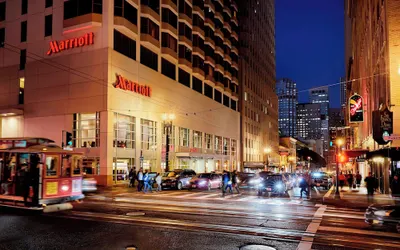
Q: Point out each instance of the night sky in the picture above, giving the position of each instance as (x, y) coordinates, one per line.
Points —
(310, 44)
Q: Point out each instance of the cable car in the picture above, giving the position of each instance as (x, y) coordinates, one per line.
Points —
(38, 175)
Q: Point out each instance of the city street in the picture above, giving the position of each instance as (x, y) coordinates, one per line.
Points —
(193, 220)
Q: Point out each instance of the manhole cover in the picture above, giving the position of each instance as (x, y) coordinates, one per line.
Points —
(135, 214)
(256, 247)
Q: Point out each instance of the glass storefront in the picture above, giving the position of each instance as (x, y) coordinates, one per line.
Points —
(121, 168)
(86, 130)
(124, 131)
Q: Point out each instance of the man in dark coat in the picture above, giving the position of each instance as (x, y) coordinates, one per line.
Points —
(395, 187)
(371, 186)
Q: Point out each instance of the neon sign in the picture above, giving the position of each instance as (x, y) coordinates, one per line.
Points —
(356, 111)
(58, 46)
(123, 83)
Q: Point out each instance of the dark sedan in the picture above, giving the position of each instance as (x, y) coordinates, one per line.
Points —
(387, 215)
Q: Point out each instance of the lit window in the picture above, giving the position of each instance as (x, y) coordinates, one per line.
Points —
(149, 134)
(124, 131)
(86, 130)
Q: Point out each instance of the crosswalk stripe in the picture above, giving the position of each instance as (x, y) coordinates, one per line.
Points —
(358, 231)
(209, 196)
(187, 195)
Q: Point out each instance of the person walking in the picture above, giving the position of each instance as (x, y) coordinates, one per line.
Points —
(371, 186)
(358, 179)
(350, 180)
(140, 179)
(235, 183)
(147, 182)
(158, 181)
(395, 187)
(342, 179)
(303, 186)
(225, 180)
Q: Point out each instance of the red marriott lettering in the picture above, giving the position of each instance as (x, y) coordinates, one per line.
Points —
(58, 46)
(123, 83)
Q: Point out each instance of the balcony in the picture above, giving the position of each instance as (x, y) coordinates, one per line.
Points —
(200, 12)
(235, 35)
(235, 65)
(146, 38)
(228, 58)
(88, 18)
(167, 26)
(186, 41)
(235, 80)
(220, 68)
(210, 78)
(209, 41)
(198, 51)
(210, 23)
(228, 90)
(235, 20)
(234, 6)
(236, 95)
(169, 53)
(228, 75)
(219, 33)
(209, 60)
(186, 63)
(227, 26)
(235, 50)
(146, 10)
(219, 50)
(198, 72)
(228, 11)
(228, 43)
(199, 31)
(120, 21)
(183, 16)
(219, 85)
(219, 16)
(208, 3)
(171, 4)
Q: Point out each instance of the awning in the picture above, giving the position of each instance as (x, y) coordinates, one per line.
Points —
(11, 112)
(393, 153)
(355, 152)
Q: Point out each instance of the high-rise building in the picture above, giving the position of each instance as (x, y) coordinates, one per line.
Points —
(335, 118)
(116, 73)
(259, 103)
(343, 96)
(309, 121)
(321, 95)
(287, 97)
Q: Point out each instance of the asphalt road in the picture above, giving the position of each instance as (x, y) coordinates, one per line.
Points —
(193, 220)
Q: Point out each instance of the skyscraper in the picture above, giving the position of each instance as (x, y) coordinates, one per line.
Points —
(259, 103)
(309, 121)
(343, 92)
(287, 97)
(321, 96)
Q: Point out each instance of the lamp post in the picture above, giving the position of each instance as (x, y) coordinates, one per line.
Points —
(339, 143)
(267, 151)
(167, 118)
(309, 163)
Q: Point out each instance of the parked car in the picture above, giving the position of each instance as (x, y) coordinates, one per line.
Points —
(245, 178)
(271, 184)
(178, 178)
(206, 181)
(321, 179)
(383, 216)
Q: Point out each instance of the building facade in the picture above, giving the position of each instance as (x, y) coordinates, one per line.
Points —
(115, 73)
(287, 97)
(321, 95)
(259, 103)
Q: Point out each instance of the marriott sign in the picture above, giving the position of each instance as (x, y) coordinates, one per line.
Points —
(58, 46)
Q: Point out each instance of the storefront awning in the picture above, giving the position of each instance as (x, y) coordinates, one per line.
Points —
(393, 153)
(355, 152)
(10, 112)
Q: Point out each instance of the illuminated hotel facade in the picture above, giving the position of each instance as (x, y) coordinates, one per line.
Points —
(110, 72)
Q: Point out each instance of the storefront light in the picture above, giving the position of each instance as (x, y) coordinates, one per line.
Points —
(378, 160)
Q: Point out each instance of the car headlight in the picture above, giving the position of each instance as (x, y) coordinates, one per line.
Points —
(279, 186)
(202, 183)
(383, 213)
(255, 181)
(260, 185)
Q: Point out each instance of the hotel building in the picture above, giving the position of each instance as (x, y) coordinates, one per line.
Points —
(110, 72)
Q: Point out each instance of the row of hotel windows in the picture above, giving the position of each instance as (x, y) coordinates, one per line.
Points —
(127, 47)
(86, 133)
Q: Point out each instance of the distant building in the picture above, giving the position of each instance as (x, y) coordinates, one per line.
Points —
(335, 118)
(309, 121)
(343, 92)
(321, 96)
(287, 97)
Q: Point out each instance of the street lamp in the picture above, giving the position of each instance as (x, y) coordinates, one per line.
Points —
(339, 143)
(267, 151)
(167, 118)
(309, 162)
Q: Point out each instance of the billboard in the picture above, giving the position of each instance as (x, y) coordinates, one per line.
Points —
(382, 125)
(356, 111)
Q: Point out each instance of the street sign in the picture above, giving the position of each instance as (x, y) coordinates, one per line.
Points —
(391, 137)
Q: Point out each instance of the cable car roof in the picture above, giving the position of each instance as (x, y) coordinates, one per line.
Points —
(40, 149)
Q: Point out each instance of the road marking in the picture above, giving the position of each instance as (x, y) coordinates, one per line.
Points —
(187, 195)
(349, 216)
(307, 241)
(209, 196)
(358, 231)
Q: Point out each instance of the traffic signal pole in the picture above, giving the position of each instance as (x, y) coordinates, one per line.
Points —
(337, 193)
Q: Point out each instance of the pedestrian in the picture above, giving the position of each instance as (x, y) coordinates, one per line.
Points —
(158, 181)
(395, 187)
(225, 180)
(147, 182)
(350, 180)
(342, 179)
(235, 183)
(134, 177)
(130, 175)
(229, 184)
(358, 179)
(140, 179)
(371, 186)
(309, 182)
(303, 184)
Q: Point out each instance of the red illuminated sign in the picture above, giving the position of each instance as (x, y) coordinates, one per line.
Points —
(58, 46)
(123, 83)
(356, 110)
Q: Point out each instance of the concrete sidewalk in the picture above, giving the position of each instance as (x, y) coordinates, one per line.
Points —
(355, 198)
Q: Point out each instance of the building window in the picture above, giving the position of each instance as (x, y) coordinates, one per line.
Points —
(197, 85)
(217, 96)
(147, 26)
(24, 7)
(22, 59)
(74, 8)
(168, 69)
(2, 11)
(48, 3)
(209, 141)
(21, 90)
(185, 53)
(185, 30)
(245, 96)
(149, 134)
(169, 17)
(91, 166)
(24, 31)
(226, 100)
(2, 37)
(48, 25)
(148, 58)
(124, 9)
(184, 137)
(153, 4)
(124, 131)
(233, 147)
(233, 105)
(184, 78)
(197, 139)
(208, 91)
(124, 45)
(168, 41)
(185, 8)
(226, 146)
(218, 144)
(86, 130)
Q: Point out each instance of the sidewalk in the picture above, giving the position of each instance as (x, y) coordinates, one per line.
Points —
(355, 198)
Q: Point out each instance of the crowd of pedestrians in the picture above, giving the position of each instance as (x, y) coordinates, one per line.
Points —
(144, 181)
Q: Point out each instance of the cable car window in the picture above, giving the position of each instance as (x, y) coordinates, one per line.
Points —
(66, 166)
(52, 165)
(76, 164)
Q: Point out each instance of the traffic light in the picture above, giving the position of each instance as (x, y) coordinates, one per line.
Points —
(331, 143)
(68, 138)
